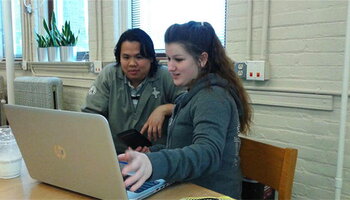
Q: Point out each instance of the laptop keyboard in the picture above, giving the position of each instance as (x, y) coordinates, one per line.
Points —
(144, 187)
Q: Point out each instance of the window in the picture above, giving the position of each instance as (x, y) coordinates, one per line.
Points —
(155, 16)
(16, 30)
(75, 11)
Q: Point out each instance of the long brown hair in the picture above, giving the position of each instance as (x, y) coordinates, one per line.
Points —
(199, 37)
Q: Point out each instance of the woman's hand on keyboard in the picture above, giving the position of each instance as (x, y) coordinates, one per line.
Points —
(138, 163)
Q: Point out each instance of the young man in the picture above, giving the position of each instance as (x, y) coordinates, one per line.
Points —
(135, 92)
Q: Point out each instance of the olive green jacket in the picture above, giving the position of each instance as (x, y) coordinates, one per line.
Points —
(110, 96)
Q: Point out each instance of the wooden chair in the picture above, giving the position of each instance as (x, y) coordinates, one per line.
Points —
(270, 165)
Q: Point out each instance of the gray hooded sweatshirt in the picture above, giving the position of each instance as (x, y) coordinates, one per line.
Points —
(202, 142)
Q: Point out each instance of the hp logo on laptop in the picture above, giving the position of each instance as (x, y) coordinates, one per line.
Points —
(59, 151)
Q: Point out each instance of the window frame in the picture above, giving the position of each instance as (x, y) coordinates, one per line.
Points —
(17, 57)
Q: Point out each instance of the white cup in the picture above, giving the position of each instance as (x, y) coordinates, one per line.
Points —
(10, 156)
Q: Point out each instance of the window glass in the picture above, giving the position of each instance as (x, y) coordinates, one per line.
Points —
(2, 44)
(155, 16)
(75, 11)
(16, 30)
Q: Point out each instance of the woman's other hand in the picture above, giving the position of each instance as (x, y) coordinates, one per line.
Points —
(142, 149)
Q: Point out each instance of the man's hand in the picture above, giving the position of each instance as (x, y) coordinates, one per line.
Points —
(154, 124)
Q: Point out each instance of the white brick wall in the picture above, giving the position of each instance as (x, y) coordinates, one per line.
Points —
(306, 42)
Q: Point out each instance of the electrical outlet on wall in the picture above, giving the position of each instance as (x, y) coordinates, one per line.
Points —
(97, 66)
(256, 70)
(241, 69)
(24, 65)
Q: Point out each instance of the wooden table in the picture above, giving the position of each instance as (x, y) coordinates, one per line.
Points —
(24, 187)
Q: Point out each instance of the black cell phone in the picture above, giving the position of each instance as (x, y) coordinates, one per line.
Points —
(133, 138)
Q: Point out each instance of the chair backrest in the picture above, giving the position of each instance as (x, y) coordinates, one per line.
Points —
(270, 165)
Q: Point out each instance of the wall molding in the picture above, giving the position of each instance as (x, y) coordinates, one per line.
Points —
(17, 65)
(75, 74)
(293, 90)
(292, 100)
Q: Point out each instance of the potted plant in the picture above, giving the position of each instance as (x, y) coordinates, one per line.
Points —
(53, 40)
(68, 42)
(42, 47)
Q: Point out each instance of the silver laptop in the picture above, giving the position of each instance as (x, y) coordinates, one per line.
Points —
(72, 150)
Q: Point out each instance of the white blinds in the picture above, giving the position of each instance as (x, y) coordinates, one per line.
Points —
(155, 16)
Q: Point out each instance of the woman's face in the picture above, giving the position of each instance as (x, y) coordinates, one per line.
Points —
(181, 65)
(134, 65)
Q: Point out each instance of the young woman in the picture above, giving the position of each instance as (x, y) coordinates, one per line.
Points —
(203, 143)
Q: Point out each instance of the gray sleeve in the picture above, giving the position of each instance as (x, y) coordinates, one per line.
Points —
(98, 96)
(156, 147)
(211, 116)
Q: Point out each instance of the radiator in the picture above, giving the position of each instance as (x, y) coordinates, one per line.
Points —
(44, 92)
